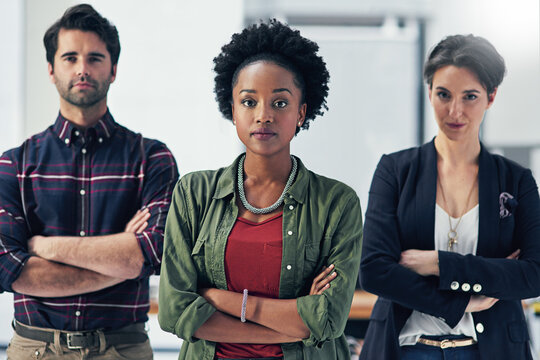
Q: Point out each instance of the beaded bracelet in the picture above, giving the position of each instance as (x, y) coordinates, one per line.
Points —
(244, 304)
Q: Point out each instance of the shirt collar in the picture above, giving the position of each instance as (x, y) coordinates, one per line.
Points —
(66, 130)
(227, 182)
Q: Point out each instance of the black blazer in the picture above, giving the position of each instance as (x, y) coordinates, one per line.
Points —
(401, 215)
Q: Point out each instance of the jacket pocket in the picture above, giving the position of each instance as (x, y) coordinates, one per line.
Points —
(517, 331)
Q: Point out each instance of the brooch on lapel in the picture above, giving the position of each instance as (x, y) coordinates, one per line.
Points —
(507, 204)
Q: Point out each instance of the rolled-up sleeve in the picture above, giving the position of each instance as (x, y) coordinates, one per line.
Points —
(181, 309)
(159, 179)
(326, 315)
(14, 233)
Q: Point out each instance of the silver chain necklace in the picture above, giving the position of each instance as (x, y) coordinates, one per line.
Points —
(279, 201)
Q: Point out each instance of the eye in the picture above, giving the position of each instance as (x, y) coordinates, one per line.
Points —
(94, 59)
(70, 58)
(471, 97)
(248, 102)
(443, 95)
(280, 104)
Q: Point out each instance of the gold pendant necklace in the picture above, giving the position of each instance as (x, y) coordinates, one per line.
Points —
(452, 233)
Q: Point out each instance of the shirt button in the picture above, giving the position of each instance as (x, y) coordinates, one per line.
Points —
(465, 287)
(289, 232)
(100, 140)
(291, 207)
(454, 285)
(83, 151)
(479, 328)
(77, 313)
(477, 287)
(66, 141)
(82, 192)
(77, 133)
(82, 233)
(289, 267)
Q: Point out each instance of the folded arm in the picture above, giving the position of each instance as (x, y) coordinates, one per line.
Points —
(117, 255)
(43, 278)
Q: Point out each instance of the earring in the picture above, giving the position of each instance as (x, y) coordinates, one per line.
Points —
(299, 123)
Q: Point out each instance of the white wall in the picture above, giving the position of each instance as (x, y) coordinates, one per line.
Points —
(11, 72)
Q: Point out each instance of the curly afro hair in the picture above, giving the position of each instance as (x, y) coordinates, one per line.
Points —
(277, 43)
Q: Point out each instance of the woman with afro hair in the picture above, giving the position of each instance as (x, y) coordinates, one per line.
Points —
(261, 258)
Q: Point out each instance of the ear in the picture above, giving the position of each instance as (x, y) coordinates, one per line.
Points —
(491, 98)
(50, 69)
(301, 114)
(113, 73)
(429, 92)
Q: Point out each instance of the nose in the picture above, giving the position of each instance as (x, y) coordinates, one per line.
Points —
(456, 108)
(83, 69)
(264, 113)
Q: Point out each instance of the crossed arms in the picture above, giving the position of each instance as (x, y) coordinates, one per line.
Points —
(69, 265)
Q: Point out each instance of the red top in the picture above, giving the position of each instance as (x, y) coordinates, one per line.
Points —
(253, 262)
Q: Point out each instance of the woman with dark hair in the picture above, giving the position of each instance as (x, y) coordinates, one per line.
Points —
(244, 244)
(452, 233)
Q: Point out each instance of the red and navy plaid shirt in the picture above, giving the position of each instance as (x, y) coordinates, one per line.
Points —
(70, 182)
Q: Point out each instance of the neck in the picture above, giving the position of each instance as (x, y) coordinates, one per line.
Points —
(83, 117)
(268, 169)
(456, 153)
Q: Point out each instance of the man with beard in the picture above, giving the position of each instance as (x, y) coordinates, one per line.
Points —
(82, 210)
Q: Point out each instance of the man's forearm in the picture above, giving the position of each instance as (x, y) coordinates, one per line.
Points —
(117, 255)
(44, 278)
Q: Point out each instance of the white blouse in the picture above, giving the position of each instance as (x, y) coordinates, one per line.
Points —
(419, 323)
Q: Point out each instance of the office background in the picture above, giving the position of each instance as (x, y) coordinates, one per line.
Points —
(374, 50)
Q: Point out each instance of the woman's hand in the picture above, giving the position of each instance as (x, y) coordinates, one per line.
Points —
(422, 262)
(480, 303)
(323, 280)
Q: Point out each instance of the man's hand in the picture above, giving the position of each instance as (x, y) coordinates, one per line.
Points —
(422, 262)
(323, 280)
(138, 222)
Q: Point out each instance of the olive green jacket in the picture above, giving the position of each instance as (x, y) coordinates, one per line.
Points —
(322, 225)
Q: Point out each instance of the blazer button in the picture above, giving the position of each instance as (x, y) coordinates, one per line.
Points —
(465, 287)
(479, 328)
(477, 287)
(454, 285)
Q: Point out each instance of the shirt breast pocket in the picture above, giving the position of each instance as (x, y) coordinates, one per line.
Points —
(316, 255)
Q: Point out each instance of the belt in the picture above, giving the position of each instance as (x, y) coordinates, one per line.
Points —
(447, 343)
(131, 334)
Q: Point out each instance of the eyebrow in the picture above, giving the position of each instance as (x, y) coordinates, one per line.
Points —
(251, 91)
(93, 53)
(465, 92)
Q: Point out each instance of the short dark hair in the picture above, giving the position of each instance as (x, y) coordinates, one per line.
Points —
(85, 18)
(277, 43)
(468, 51)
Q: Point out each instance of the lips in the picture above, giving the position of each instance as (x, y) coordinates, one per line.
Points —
(263, 134)
(455, 125)
(83, 85)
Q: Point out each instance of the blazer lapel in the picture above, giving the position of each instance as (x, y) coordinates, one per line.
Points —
(488, 191)
(426, 191)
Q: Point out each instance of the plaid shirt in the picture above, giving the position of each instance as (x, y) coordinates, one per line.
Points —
(70, 182)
